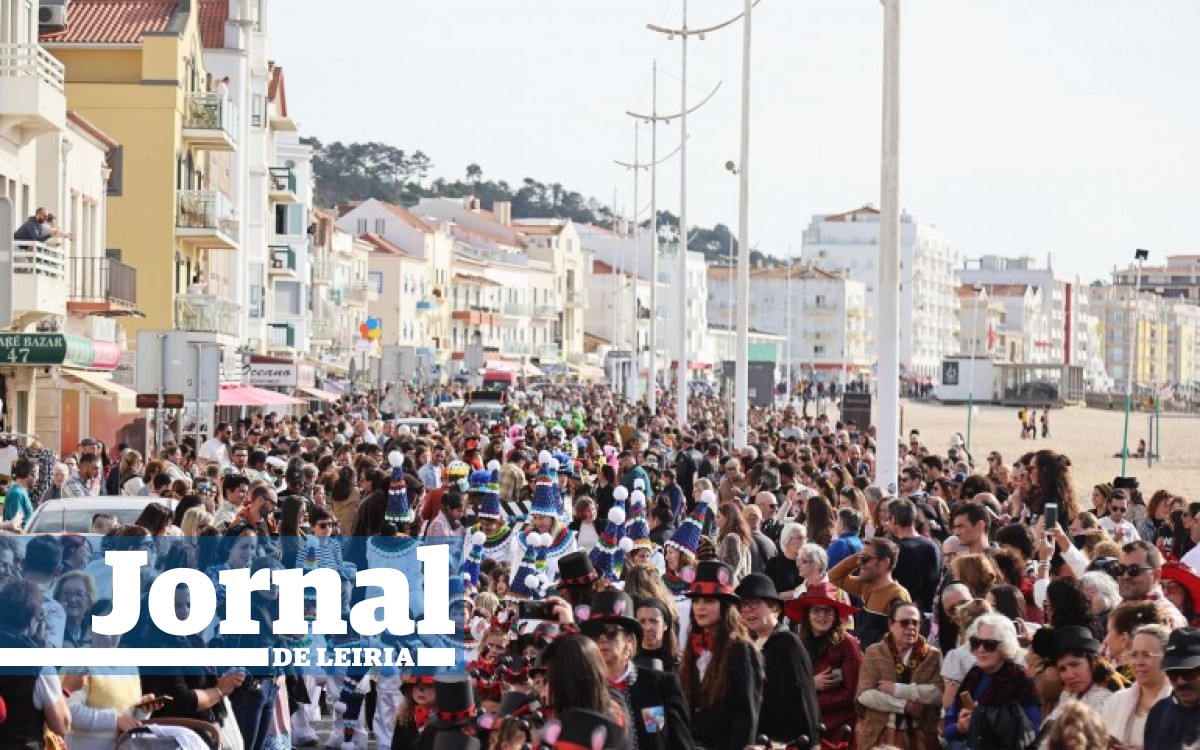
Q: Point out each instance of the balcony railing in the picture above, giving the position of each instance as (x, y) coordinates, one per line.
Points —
(516, 310)
(283, 180)
(206, 313)
(103, 280)
(516, 348)
(283, 258)
(318, 329)
(546, 311)
(39, 259)
(281, 336)
(361, 292)
(21, 60)
(577, 299)
(210, 111)
(205, 209)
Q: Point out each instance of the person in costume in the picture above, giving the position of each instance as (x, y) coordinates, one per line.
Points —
(653, 698)
(412, 722)
(680, 555)
(491, 533)
(608, 556)
(721, 674)
(546, 517)
(643, 550)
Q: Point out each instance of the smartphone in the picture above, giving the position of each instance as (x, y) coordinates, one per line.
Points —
(535, 610)
(1051, 516)
(837, 675)
(966, 701)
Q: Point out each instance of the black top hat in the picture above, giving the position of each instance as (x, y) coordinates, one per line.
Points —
(516, 704)
(714, 580)
(609, 608)
(1074, 639)
(758, 586)
(576, 569)
(584, 730)
(452, 739)
(455, 702)
(1183, 650)
(1125, 483)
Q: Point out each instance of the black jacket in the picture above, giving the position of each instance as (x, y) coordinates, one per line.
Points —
(789, 707)
(734, 725)
(656, 695)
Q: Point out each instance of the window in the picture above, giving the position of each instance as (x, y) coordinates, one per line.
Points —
(258, 112)
(256, 301)
(289, 219)
(115, 161)
(380, 226)
(376, 279)
(360, 226)
(287, 298)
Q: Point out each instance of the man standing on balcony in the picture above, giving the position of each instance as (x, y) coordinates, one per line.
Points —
(34, 229)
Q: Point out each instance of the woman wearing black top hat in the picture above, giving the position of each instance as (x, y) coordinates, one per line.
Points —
(789, 709)
(721, 674)
(415, 712)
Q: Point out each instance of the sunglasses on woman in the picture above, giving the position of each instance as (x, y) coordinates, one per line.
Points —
(987, 644)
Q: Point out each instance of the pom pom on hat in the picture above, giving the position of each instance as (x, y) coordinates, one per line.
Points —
(708, 497)
(531, 581)
(620, 493)
(544, 457)
(493, 465)
(478, 538)
(638, 484)
(616, 515)
(626, 544)
(396, 459)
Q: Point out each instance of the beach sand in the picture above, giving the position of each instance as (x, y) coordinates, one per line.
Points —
(1090, 437)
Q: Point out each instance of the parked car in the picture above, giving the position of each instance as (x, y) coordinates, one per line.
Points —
(73, 515)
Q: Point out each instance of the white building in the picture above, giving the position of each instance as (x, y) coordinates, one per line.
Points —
(1062, 301)
(928, 302)
(823, 317)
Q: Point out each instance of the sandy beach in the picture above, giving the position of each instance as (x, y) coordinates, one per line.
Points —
(1090, 437)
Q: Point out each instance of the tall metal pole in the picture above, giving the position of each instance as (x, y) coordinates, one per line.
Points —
(1137, 284)
(845, 333)
(741, 380)
(637, 359)
(971, 377)
(788, 327)
(681, 284)
(652, 381)
(888, 336)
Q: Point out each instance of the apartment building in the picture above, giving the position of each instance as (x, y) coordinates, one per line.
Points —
(928, 302)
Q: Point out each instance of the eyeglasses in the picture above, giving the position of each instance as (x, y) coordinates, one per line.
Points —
(989, 645)
(1143, 655)
(1116, 509)
(1131, 571)
(821, 611)
(913, 623)
(864, 559)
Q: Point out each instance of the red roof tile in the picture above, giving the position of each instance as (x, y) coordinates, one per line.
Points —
(113, 21)
(276, 88)
(409, 218)
(213, 15)
(382, 245)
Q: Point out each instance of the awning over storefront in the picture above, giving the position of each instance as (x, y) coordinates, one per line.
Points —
(318, 394)
(99, 384)
(587, 372)
(248, 395)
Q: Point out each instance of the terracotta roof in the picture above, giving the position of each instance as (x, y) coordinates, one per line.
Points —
(381, 245)
(546, 229)
(213, 15)
(90, 129)
(1008, 290)
(113, 21)
(457, 228)
(774, 272)
(472, 279)
(402, 213)
(867, 210)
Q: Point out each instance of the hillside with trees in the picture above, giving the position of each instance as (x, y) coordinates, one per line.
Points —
(347, 172)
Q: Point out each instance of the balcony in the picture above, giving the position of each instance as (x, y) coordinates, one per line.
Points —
(426, 306)
(319, 332)
(547, 353)
(210, 122)
(33, 98)
(322, 270)
(476, 317)
(337, 295)
(283, 261)
(39, 281)
(361, 292)
(206, 313)
(545, 311)
(281, 336)
(102, 286)
(205, 219)
(281, 185)
(577, 300)
(516, 348)
(516, 310)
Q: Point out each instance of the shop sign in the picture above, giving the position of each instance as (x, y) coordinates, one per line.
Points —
(270, 374)
(34, 349)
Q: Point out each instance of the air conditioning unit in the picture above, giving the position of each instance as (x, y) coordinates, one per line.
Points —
(52, 17)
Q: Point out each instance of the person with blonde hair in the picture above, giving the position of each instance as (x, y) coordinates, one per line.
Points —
(1077, 726)
(977, 572)
(1126, 710)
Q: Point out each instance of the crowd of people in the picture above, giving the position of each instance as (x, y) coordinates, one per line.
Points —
(626, 583)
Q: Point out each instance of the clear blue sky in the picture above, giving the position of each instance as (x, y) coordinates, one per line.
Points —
(1028, 126)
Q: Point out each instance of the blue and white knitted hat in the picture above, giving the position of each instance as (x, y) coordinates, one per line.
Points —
(398, 510)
